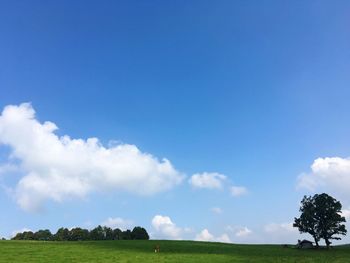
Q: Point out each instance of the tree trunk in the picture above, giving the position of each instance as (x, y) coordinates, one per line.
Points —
(316, 242)
(327, 242)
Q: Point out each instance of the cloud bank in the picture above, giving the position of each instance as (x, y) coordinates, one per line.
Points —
(57, 168)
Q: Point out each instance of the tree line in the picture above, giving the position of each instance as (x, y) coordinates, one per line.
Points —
(80, 234)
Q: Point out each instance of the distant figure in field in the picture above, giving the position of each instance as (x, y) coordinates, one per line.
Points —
(156, 249)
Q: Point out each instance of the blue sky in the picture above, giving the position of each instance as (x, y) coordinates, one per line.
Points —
(243, 94)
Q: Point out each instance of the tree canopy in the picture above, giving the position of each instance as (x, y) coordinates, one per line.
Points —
(321, 218)
(139, 233)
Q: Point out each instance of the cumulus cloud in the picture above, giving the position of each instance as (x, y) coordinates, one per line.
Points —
(332, 173)
(205, 235)
(165, 228)
(207, 180)
(57, 168)
(238, 190)
(117, 222)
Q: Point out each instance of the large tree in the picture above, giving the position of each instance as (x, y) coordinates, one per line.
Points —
(97, 233)
(321, 218)
(108, 232)
(62, 234)
(43, 235)
(117, 234)
(139, 233)
(78, 234)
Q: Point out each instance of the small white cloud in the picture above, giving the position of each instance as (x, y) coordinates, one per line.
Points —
(216, 210)
(238, 191)
(58, 168)
(224, 238)
(207, 180)
(205, 235)
(239, 231)
(243, 232)
(117, 222)
(165, 228)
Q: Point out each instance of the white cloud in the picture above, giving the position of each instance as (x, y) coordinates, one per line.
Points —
(239, 231)
(207, 180)
(57, 168)
(238, 190)
(117, 222)
(243, 232)
(215, 181)
(332, 173)
(165, 228)
(224, 238)
(216, 210)
(205, 235)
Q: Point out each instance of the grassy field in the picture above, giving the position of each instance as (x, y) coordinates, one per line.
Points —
(171, 251)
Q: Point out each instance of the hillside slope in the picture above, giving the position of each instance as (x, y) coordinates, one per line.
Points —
(170, 251)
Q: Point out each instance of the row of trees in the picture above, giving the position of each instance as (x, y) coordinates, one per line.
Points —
(80, 234)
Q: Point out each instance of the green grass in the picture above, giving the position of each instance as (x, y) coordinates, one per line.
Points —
(171, 251)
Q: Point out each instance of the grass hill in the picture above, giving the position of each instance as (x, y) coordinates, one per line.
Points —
(170, 251)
